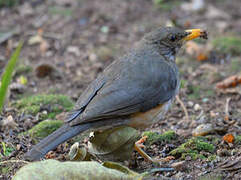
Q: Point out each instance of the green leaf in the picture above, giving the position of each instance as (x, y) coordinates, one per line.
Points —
(7, 75)
(55, 170)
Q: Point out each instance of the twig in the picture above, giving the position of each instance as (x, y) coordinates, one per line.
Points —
(183, 107)
(46, 35)
(161, 170)
(200, 115)
(13, 161)
(226, 118)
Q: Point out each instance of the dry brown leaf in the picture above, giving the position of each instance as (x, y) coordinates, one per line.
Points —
(202, 57)
(168, 158)
(229, 138)
(231, 81)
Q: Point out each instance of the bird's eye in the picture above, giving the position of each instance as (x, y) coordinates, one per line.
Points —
(173, 38)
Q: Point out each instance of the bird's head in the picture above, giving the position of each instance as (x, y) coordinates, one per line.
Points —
(168, 40)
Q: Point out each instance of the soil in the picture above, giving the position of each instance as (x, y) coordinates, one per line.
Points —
(79, 38)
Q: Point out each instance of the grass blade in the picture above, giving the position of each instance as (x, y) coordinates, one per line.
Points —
(7, 75)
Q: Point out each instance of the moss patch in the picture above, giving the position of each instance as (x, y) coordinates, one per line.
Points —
(154, 137)
(212, 157)
(53, 103)
(55, 10)
(211, 176)
(238, 140)
(192, 148)
(229, 44)
(5, 149)
(166, 5)
(8, 3)
(44, 128)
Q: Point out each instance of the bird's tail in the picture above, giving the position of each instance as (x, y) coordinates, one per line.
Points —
(53, 140)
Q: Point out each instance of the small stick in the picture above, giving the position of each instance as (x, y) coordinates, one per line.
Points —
(226, 118)
(167, 169)
(183, 107)
(46, 35)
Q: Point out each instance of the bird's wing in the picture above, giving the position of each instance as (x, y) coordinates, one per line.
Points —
(132, 90)
(85, 98)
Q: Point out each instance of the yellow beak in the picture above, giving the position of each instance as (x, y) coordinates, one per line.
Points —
(195, 33)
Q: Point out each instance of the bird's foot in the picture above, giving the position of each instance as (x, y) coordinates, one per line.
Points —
(138, 147)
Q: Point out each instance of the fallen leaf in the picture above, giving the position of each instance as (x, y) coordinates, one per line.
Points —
(8, 123)
(229, 138)
(168, 158)
(79, 153)
(33, 40)
(45, 69)
(202, 57)
(55, 170)
(4, 36)
(231, 81)
(116, 144)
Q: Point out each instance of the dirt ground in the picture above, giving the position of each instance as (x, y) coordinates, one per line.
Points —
(76, 39)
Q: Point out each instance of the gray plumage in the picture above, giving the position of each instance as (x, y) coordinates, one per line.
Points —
(139, 81)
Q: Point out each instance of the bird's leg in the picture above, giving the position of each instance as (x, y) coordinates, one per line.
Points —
(138, 145)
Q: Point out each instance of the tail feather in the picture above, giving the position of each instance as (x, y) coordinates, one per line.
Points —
(53, 140)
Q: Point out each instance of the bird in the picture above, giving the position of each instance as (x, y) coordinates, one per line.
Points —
(135, 90)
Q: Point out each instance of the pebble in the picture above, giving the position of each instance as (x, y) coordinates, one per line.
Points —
(179, 166)
(203, 130)
(45, 112)
(190, 104)
(197, 107)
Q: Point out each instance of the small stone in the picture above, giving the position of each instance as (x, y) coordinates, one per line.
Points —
(17, 87)
(190, 104)
(203, 130)
(45, 112)
(92, 57)
(18, 147)
(205, 100)
(104, 29)
(213, 114)
(179, 166)
(73, 50)
(197, 107)
(188, 158)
